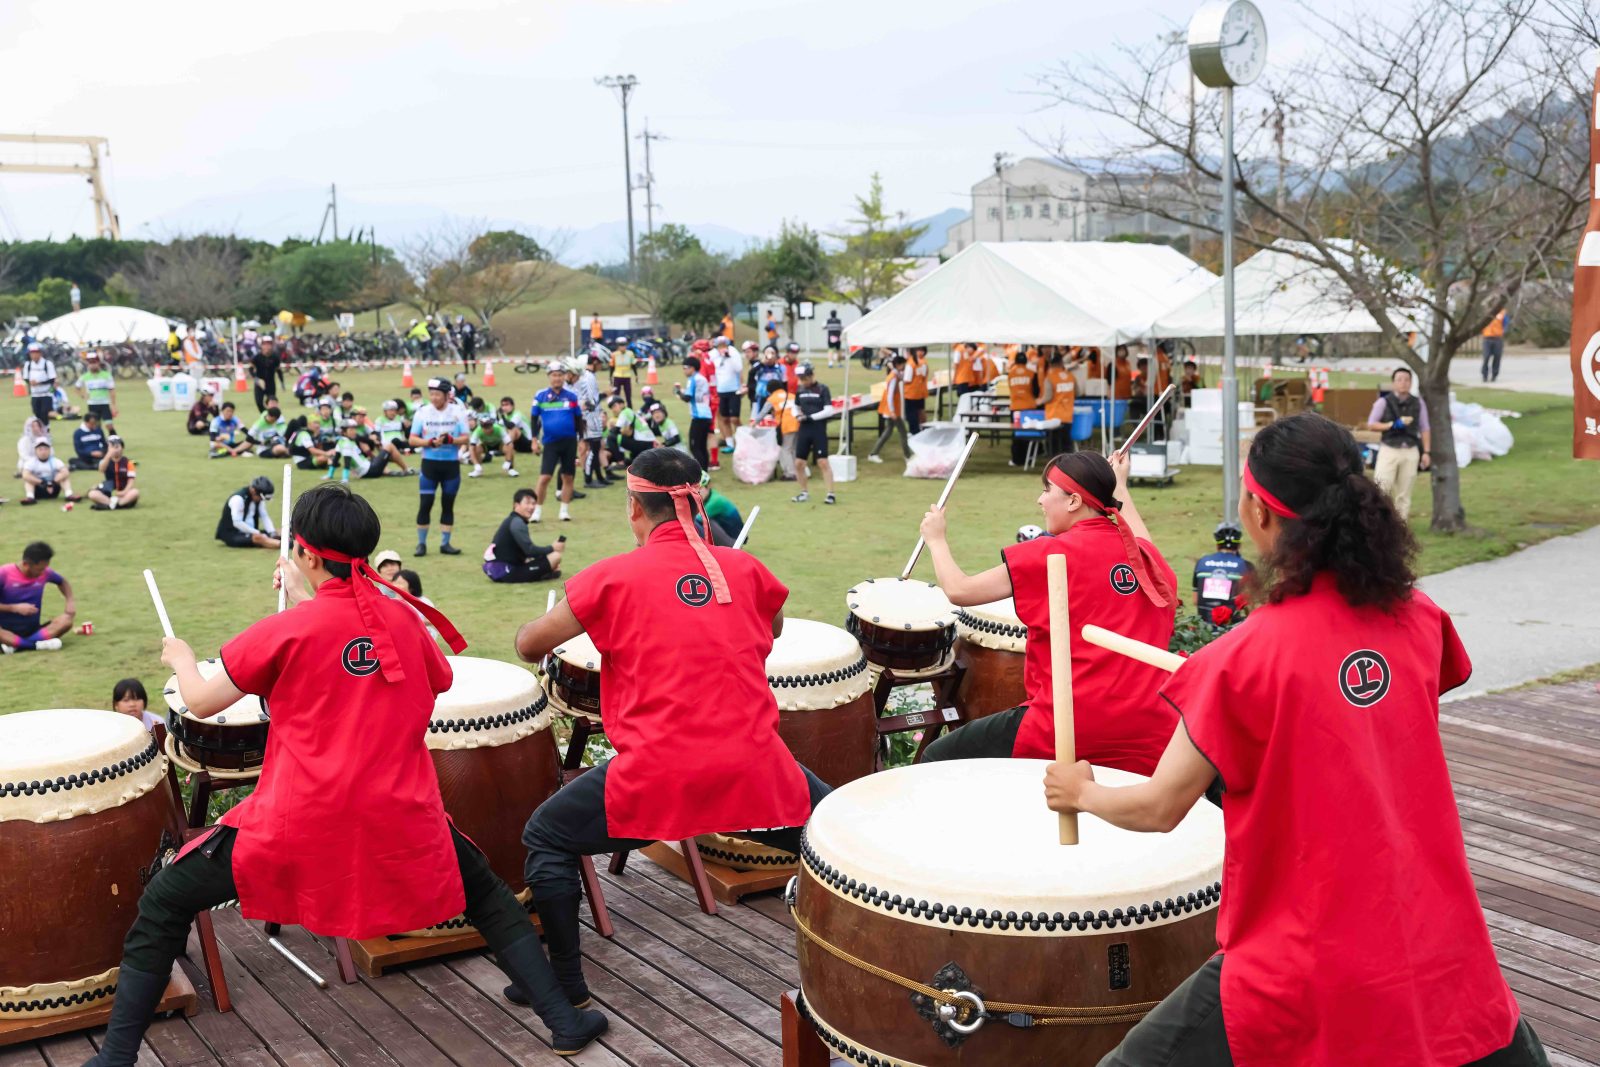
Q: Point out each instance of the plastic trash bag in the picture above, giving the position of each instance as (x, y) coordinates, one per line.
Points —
(934, 451)
(1463, 443)
(1495, 435)
(755, 454)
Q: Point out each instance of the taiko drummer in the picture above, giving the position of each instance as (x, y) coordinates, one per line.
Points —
(698, 749)
(350, 677)
(1349, 927)
(1117, 579)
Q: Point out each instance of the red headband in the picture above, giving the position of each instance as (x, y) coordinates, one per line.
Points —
(1150, 578)
(1274, 505)
(686, 502)
(382, 642)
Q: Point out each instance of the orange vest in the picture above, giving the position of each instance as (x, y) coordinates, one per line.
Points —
(1021, 381)
(727, 326)
(917, 387)
(1123, 389)
(596, 331)
(964, 374)
(784, 410)
(1497, 325)
(1064, 392)
(983, 366)
(893, 402)
(1163, 372)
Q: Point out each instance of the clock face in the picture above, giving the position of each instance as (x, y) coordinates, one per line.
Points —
(1244, 43)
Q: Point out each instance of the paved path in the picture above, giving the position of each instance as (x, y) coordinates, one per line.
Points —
(1544, 372)
(1527, 615)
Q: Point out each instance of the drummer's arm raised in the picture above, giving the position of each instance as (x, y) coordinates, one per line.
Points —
(960, 588)
(1155, 805)
(204, 697)
(539, 637)
(1129, 512)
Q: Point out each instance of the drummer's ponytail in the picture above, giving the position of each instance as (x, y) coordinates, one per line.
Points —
(1343, 523)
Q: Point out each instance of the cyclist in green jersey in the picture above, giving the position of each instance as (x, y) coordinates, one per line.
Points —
(99, 388)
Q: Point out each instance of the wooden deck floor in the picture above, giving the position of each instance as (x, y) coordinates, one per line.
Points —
(683, 988)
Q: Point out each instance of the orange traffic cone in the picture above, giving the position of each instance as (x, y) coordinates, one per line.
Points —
(18, 386)
(407, 380)
(239, 385)
(488, 373)
(650, 375)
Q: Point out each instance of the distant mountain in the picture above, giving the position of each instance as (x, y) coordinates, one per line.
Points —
(933, 238)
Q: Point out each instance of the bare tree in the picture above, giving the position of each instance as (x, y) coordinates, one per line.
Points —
(436, 266)
(503, 273)
(1437, 166)
(199, 277)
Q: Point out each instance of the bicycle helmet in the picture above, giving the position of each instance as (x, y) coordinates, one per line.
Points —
(1028, 532)
(263, 485)
(1228, 536)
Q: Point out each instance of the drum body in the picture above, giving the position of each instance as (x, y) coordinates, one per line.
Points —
(825, 715)
(572, 675)
(496, 758)
(83, 804)
(903, 625)
(990, 643)
(978, 897)
(234, 740)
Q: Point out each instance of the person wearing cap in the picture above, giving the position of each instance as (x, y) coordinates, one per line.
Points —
(439, 430)
(833, 329)
(388, 432)
(1223, 580)
(695, 753)
(116, 490)
(721, 515)
(765, 376)
(814, 404)
(629, 434)
(88, 444)
(791, 367)
(44, 477)
(892, 407)
(246, 520)
(729, 368)
(463, 391)
(556, 413)
(512, 555)
(352, 452)
(586, 384)
(622, 361)
(781, 408)
(266, 373)
(99, 388)
(916, 388)
(696, 392)
(40, 374)
(351, 677)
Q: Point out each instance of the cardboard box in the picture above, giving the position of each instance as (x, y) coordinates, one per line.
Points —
(1349, 407)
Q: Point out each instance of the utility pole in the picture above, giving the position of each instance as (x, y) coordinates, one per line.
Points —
(648, 179)
(1278, 119)
(625, 84)
(999, 177)
(333, 205)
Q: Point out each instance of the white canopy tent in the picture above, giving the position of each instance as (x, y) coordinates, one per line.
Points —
(1038, 292)
(103, 325)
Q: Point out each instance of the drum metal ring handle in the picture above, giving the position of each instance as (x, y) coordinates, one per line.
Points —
(950, 1014)
(791, 891)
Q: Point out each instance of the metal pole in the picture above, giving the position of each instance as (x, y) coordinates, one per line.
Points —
(1230, 378)
(333, 202)
(627, 170)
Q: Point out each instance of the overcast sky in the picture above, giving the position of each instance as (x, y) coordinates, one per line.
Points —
(238, 116)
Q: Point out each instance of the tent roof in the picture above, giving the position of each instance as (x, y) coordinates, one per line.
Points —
(104, 325)
(1277, 292)
(1038, 292)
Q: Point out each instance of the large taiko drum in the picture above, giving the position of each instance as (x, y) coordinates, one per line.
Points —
(948, 877)
(572, 675)
(825, 716)
(495, 754)
(903, 625)
(990, 643)
(233, 741)
(83, 803)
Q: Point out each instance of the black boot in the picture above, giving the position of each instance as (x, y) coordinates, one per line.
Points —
(559, 918)
(132, 1010)
(571, 1029)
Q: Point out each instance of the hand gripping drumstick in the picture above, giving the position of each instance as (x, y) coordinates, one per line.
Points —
(1061, 677)
(744, 531)
(1128, 646)
(1138, 431)
(161, 609)
(949, 484)
(283, 536)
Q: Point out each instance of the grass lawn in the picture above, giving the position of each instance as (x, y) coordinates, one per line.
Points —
(212, 592)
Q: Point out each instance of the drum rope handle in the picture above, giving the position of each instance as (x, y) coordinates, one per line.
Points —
(1044, 1014)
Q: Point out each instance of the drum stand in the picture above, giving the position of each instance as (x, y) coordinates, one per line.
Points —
(944, 715)
(179, 996)
(801, 1045)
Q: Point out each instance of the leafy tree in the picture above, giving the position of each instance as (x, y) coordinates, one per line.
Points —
(876, 256)
(669, 243)
(498, 247)
(796, 268)
(119, 292)
(324, 279)
(506, 268)
(55, 297)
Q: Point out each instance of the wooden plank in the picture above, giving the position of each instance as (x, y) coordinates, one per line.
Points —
(655, 1022)
(67, 1050)
(773, 907)
(22, 1056)
(177, 1045)
(751, 922)
(266, 1024)
(491, 1017)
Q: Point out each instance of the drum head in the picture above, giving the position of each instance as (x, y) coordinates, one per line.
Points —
(93, 759)
(580, 652)
(244, 711)
(975, 834)
(900, 604)
(489, 703)
(814, 666)
(993, 625)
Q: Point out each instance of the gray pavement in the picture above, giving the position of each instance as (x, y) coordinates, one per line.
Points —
(1541, 372)
(1527, 615)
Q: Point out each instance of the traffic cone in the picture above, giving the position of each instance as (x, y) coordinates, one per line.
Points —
(18, 386)
(239, 385)
(407, 380)
(650, 375)
(1319, 383)
(488, 374)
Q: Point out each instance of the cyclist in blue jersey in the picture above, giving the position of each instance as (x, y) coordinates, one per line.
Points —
(439, 430)
(557, 413)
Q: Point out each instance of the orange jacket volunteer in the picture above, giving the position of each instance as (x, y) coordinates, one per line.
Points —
(1060, 391)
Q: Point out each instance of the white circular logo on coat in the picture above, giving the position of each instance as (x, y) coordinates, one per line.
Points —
(1589, 365)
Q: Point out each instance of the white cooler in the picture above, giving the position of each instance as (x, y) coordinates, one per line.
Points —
(843, 467)
(161, 393)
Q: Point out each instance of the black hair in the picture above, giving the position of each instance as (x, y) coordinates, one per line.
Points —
(38, 552)
(1401, 370)
(1346, 524)
(1019, 359)
(296, 424)
(129, 687)
(1191, 363)
(668, 467)
(330, 516)
(898, 358)
(692, 363)
(348, 396)
(413, 583)
(476, 404)
(1090, 470)
(523, 494)
(508, 400)
(228, 404)
(1121, 352)
(87, 415)
(416, 391)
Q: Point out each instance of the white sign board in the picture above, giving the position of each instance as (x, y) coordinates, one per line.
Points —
(808, 310)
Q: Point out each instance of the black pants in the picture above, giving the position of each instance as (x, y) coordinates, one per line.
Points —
(991, 737)
(699, 442)
(1493, 349)
(623, 386)
(573, 823)
(261, 394)
(593, 470)
(1185, 1030)
(204, 878)
(914, 410)
(42, 407)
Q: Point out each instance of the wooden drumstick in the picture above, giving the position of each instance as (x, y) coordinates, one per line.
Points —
(161, 608)
(1132, 648)
(1061, 677)
(1138, 431)
(283, 536)
(950, 483)
(744, 531)
(550, 602)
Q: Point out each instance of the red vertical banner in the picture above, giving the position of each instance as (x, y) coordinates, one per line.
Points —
(1586, 310)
